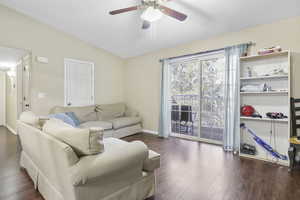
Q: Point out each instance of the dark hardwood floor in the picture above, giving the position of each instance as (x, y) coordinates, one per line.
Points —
(189, 171)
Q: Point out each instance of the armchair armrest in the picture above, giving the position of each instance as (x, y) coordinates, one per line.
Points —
(111, 164)
(152, 162)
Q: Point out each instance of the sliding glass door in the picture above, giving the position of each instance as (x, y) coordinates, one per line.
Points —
(212, 98)
(197, 97)
(185, 97)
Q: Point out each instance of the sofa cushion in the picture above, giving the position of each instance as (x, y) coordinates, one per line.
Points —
(131, 113)
(122, 122)
(110, 111)
(83, 141)
(83, 113)
(102, 124)
(29, 118)
(152, 162)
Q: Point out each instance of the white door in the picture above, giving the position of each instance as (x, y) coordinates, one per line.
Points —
(2, 98)
(79, 83)
(23, 84)
(26, 82)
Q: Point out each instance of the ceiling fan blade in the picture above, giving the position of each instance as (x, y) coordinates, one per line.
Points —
(173, 13)
(146, 24)
(114, 12)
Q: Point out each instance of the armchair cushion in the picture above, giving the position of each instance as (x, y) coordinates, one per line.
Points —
(120, 159)
(83, 141)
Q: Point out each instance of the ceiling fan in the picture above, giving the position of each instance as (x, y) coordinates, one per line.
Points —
(152, 11)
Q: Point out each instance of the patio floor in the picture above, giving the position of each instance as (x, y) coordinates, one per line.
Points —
(210, 133)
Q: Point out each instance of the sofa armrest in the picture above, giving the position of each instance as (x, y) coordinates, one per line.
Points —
(110, 164)
(131, 113)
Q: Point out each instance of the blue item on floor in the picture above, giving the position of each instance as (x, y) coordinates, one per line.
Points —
(263, 144)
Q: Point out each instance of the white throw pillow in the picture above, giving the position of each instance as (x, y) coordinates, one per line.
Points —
(83, 141)
(28, 117)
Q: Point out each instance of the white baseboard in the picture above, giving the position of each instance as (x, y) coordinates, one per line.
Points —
(150, 132)
(11, 130)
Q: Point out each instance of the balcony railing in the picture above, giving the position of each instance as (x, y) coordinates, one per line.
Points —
(189, 111)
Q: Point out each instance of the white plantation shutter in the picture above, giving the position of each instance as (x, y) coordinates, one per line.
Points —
(79, 83)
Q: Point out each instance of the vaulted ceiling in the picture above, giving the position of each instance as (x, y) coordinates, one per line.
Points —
(122, 34)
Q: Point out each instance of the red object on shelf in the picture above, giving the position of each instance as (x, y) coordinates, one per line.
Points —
(247, 110)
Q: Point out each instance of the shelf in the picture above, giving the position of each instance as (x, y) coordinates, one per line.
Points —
(265, 119)
(284, 163)
(248, 156)
(265, 77)
(248, 58)
(265, 93)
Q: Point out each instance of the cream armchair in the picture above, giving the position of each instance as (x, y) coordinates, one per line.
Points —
(124, 171)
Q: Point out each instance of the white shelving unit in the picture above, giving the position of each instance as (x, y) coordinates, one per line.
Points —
(273, 70)
(264, 119)
(265, 77)
(265, 93)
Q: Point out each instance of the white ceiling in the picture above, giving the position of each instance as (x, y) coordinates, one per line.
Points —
(122, 35)
(9, 57)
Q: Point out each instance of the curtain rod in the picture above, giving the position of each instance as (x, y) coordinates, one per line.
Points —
(200, 53)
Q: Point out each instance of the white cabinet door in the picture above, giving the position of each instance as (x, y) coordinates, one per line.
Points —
(2, 98)
(79, 83)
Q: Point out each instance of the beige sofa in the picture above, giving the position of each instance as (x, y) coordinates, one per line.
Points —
(116, 119)
(124, 171)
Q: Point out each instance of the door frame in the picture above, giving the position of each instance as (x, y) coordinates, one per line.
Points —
(19, 83)
(3, 123)
(20, 70)
(66, 78)
(201, 58)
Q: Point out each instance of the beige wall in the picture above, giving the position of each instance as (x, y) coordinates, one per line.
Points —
(19, 31)
(11, 98)
(135, 80)
(142, 74)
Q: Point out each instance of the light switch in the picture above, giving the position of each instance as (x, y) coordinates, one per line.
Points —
(42, 59)
(41, 95)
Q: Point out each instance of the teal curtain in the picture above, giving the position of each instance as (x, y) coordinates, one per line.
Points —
(231, 134)
(164, 117)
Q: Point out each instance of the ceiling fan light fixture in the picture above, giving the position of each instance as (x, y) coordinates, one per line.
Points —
(151, 14)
